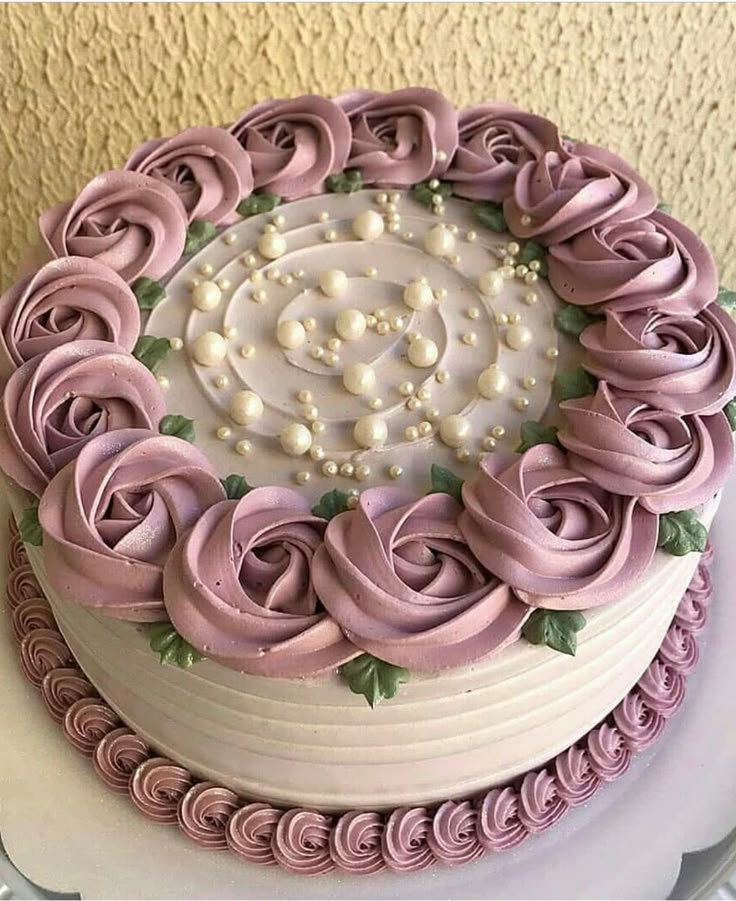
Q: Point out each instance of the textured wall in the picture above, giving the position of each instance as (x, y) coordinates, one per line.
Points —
(80, 85)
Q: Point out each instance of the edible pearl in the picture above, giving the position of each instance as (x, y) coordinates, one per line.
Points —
(489, 444)
(318, 428)
(229, 238)
(491, 282)
(418, 295)
(425, 428)
(529, 382)
(473, 313)
(260, 296)
(522, 403)
(370, 431)
(305, 396)
(518, 336)
(163, 382)
(330, 468)
(531, 277)
(333, 282)
(243, 447)
(396, 323)
(296, 439)
(222, 381)
(230, 331)
(525, 219)
(423, 352)
(330, 235)
(311, 413)
(395, 471)
(302, 477)
(552, 353)
(247, 351)
(432, 414)
(272, 245)
(462, 454)
(206, 296)
(493, 382)
(362, 471)
(359, 378)
(350, 324)
(454, 430)
(383, 328)
(442, 376)
(334, 344)
(371, 272)
(209, 349)
(318, 352)
(376, 404)
(381, 198)
(273, 275)
(368, 225)
(223, 433)
(406, 388)
(424, 393)
(470, 338)
(176, 343)
(245, 407)
(531, 297)
(223, 284)
(498, 431)
(310, 324)
(414, 404)
(332, 359)
(290, 333)
(347, 470)
(206, 269)
(439, 241)
(316, 452)
(411, 433)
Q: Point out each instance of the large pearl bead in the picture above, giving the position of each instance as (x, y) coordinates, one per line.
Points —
(290, 333)
(491, 282)
(350, 324)
(209, 349)
(418, 296)
(368, 225)
(333, 282)
(370, 431)
(423, 352)
(518, 336)
(454, 430)
(493, 382)
(439, 241)
(296, 439)
(245, 407)
(359, 378)
(206, 296)
(272, 245)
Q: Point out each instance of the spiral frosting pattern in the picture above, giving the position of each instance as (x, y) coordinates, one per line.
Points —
(30, 614)
(663, 687)
(22, 585)
(156, 788)
(42, 651)
(17, 555)
(117, 757)
(637, 721)
(610, 755)
(302, 842)
(406, 840)
(87, 722)
(576, 780)
(453, 837)
(204, 812)
(355, 842)
(680, 649)
(63, 687)
(499, 826)
(540, 804)
(250, 832)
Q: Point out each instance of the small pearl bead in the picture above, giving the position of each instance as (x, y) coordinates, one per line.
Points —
(440, 156)
(418, 296)
(206, 269)
(462, 454)
(552, 353)
(439, 241)
(453, 259)
(535, 266)
(273, 275)
(318, 428)
(370, 431)
(529, 382)
(521, 271)
(531, 297)
(381, 198)
(507, 272)
(295, 439)
(260, 296)
(311, 413)
(383, 328)
(332, 359)
(223, 284)
(424, 393)
(526, 219)
(269, 229)
(302, 477)
(249, 259)
(222, 381)
(350, 324)
(376, 404)
(406, 388)
(229, 238)
(489, 444)
(470, 338)
(407, 236)
(394, 197)
(471, 236)
(230, 332)
(206, 296)
(413, 404)
(498, 431)
(412, 336)
(514, 318)
(434, 184)
(440, 295)
(347, 470)
(209, 349)
(318, 353)
(368, 225)
(531, 277)
(352, 502)
(278, 220)
(310, 324)
(247, 351)
(393, 227)
(493, 382)
(453, 228)
(362, 471)
(411, 433)
(437, 200)
(290, 334)
(425, 428)
(395, 471)
(330, 468)
(286, 280)
(501, 319)
(298, 274)
(359, 378)
(513, 248)
(381, 314)
(371, 272)
(272, 245)
(518, 337)
(163, 382)
(323, 216)
(243, 447)
(423, 353)
(176, 343)
(432, 414)
(491, 282)
(442, 376)
(454, 430)
(396, 323)
(223, 433)
(521, 403)
(305, 396)
(334, 344)
(473, 313)
(256, 276)
(330, 235)
(333, 282)
(245, 407)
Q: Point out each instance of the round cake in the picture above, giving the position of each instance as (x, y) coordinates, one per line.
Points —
(364, 451)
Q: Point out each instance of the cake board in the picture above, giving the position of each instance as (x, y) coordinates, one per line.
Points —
(65, 831)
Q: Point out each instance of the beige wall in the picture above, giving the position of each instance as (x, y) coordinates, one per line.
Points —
(80, 85)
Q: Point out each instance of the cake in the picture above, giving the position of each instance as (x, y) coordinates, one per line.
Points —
(363, 454)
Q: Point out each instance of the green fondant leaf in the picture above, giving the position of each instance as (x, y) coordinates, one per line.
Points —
(347, 182)
(531, 251)
(573, 383)
(665, 207)
(491, 215)
(730, 411)
(444, 481)
(29, 526)
(178, 426)
(236, 486)
(258, 203)
(681, 532)
(570, 139)
(727, 299)
(331, 504)
(555, 628)
(573, 320)
(171, 647)
(375, 679)
(199, 233)
(148, 292)
(533, 433)
(424, 194)
(151, 351)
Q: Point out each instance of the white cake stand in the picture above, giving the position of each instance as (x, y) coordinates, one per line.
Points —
(65, 831)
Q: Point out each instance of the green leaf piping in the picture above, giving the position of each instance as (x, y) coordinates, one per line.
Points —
(491, 215)
(235, 486)
(726, 299)
(730, 413)
(664, 207)
(531, 251)
(533, 433)
(557, 629)
(171, 647)
(681, 532)
(199, 234)
(258, 203)
(331, 504)
(573, 320)
(178, 427)
(151, 351)
(375, 679)
(425, 195)
(444, 481)
(29, 526)
(148, 293)
(347, 182)
(573, 383)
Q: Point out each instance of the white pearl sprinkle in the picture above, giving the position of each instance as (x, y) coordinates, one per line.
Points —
(302, 477)
(368, 225)
(454, 430)
(310, 324)
(498, 431)
(243, 447)
(442, 376)
(295, 439)
(362, 471)
(531, 277)
(286, 280)
(311, 413)
(521, 403)
(316, 452)
(411, 433)
(424, 393)
(491, 282)
(528, 382)
(163, 382)
(423, 353)
(552, 353)
(381, 198)
(318, 353)
(425, 428)
(206, 296)
(471, 236)
(432, 414)
(514, 318)
(334, 343)
(493, 382)
(249, 259)
(359, 378)
(352, 502)
(323, 216)
(333, 282)
(518, 337)
(501, 318)
(273, 275)
(245, 407)
(383, 328)
(209, 349)
(332, 359)
(473, 313)
(272, 245)
(206, 269)
(413, 404)
(418, 295)
(507, 272)
(439, 241)
(223, 284)
(230, 332)
(290, 334)
(247, 351)
(406, 388)
(470, 338)
(330, 235)
(370, 431)
(462, 454)
(395, 471)
(222, 381)
(330, 468)
(531, 297)
(224, 432)
(176, 343)
(256, 276)
(526, 219)
(347, 470)
(376, 403)
(371, 272)
(489, 444)
(260, 296)
(350, 324)
(229, 238)
(535, 266)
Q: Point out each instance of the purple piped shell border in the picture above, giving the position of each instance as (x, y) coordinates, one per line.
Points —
(407, 839)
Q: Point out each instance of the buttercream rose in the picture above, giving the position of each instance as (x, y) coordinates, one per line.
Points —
(66, 300)
(294, 144)
(206, 167)
(111, 517)
(670, 462)
(654, 261)
(400, 138)
(134, 224)
(685, 364)
(54, 404)
(398, 576)
(561, 194)
(239, 586)
(494, 141)
(556, 537)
